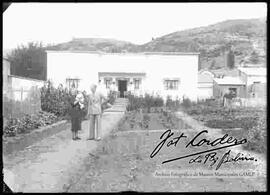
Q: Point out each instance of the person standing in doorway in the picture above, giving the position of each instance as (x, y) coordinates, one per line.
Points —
(94, 112)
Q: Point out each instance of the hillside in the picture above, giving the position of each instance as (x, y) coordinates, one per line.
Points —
(94, 44)
(212, 41)
(244, 35)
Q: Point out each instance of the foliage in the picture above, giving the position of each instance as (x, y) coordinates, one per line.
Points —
(58, 100)
(172, 104)
(251, 120)
(29, 61)
(257, 136)
(230, 59)
(55, 100)
(28, 123)
(254, 58)
(148, 101)
(186, 103)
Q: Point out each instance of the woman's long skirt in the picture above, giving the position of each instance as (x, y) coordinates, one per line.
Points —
(76, 124)
(76, 119)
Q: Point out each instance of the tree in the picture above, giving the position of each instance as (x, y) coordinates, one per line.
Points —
(213, 64)
(230, 59)
(29, 61)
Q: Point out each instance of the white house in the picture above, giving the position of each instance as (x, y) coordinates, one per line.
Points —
(163, 73)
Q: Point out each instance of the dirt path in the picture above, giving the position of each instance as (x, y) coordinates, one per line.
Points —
(52, 164)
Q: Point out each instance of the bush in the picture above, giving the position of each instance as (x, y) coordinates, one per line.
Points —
(28, 123)
(251, 120)
(55, 100)
(186, 103)
(58, 100)
(145, 102)
(256, 137)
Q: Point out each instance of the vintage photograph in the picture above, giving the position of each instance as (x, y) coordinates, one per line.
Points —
(134, 97)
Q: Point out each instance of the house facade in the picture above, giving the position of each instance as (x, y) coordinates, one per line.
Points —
(158, 73)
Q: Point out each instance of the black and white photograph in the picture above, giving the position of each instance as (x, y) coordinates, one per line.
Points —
(134, 97)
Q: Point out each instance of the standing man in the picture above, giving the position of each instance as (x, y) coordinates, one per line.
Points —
(94, 111)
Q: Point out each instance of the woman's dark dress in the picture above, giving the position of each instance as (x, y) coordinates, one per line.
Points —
(76, 116)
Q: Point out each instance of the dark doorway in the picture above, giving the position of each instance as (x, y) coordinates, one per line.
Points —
(122, 87)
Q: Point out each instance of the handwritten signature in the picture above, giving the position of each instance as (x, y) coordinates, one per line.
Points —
(203, 156)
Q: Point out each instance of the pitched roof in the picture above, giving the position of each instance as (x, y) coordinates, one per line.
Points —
(229, 81)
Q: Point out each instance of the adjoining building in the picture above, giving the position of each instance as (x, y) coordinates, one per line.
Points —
(225, 84)
(250, 83)
(159, 73)
(205, 85)
(255, 81)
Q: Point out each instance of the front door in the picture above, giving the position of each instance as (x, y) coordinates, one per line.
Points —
(122, 87)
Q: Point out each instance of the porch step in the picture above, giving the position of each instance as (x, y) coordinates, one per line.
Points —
(119, 105)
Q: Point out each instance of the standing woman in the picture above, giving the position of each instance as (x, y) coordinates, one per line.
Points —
(76, 113)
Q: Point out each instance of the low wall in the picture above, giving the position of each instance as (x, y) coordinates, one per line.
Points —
(21, 97)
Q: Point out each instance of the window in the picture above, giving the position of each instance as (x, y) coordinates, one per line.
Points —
(171, 84)
(72, 83)
(136, 84)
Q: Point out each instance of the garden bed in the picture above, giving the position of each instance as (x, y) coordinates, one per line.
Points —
(21, 141)
(242, 122)
(122, 163)
(136, 120)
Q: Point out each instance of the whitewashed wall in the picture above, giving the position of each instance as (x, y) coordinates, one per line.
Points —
(5, 73)
(252, 79)
(20, 86)
(86, 66)
(205, 91)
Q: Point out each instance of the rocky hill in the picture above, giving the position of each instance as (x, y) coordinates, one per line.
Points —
(94, 44)
(246, 37)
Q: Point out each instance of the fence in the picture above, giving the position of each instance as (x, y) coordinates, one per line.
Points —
(21, 97)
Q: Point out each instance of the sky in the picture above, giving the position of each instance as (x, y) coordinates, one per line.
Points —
(52, 23)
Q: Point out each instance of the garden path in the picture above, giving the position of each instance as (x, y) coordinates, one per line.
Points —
(54, 163)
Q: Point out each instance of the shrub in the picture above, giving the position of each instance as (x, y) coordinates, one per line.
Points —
(28, 123)
(57, 100)
(186, 103)
(256, 137)
(146, 102)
